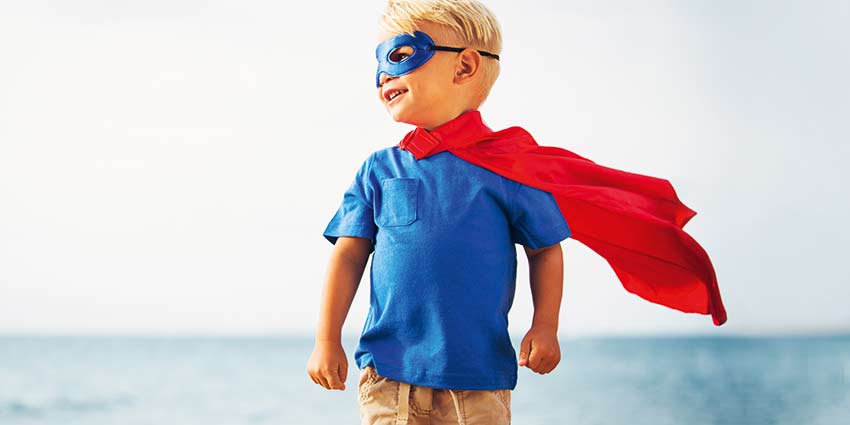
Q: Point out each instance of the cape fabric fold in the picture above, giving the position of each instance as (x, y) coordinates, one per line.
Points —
(634, 221)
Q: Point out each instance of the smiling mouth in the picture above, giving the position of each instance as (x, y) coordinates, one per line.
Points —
(392, 95)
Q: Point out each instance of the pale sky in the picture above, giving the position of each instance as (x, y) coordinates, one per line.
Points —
(169, 166)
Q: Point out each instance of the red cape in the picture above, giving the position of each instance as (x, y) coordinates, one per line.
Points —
(632, 220)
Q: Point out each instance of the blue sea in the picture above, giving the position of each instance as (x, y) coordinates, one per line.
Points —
(66, 380)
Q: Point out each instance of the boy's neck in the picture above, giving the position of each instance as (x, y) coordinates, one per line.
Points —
(454, 116)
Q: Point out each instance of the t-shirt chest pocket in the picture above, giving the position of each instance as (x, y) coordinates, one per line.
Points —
(398, 203)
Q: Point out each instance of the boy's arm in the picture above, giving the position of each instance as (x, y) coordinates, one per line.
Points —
(546, 275)
(539, 349)
(328, 365)
(345, 270)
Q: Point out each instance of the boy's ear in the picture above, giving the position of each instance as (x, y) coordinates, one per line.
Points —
(467, 65)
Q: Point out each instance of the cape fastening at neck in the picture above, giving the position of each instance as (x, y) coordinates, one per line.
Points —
(634, 221)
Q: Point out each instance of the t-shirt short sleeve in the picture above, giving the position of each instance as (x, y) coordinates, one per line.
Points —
(536, 219)
(355, 216)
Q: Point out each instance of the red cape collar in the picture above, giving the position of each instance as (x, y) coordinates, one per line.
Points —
(467, 128)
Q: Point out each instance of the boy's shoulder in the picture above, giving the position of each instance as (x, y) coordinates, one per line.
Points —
(381, 161)
(393, 161)
(385, 152)
(382, 156)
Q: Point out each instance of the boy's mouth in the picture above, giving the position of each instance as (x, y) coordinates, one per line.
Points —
(392, 94)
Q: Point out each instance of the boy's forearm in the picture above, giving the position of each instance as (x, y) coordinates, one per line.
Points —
(546, 275)
(343, 277)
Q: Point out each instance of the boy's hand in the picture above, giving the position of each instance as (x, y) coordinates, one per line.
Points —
(539, 349)
(327, 365)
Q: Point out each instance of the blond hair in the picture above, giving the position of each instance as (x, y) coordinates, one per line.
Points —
(468, 23)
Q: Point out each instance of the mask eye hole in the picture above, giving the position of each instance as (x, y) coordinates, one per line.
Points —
(399, 54)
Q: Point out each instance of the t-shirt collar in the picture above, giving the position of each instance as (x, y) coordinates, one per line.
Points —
(464, 129)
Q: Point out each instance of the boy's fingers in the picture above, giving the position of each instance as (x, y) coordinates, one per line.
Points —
(335, 381)
(343, 373)
(524, 349)
(317, 379)
(534, 359)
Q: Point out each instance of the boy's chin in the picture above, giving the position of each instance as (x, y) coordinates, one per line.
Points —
(405, 118)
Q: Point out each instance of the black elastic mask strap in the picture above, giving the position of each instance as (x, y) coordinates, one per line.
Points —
(460, 49)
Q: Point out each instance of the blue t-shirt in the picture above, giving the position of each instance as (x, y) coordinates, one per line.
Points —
(443, 272)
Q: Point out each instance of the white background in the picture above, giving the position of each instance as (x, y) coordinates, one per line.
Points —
(169, 167)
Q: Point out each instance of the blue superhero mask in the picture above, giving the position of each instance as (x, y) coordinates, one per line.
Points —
(395, 57)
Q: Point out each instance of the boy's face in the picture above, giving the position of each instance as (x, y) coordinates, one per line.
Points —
(429, 95)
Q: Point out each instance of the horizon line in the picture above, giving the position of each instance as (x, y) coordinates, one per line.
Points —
(838, 332)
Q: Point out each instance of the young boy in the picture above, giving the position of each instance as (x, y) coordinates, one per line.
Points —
(442, 230)
(443, 233)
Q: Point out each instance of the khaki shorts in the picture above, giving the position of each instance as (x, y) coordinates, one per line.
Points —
(384, 401)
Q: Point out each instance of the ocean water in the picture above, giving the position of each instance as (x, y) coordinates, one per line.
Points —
(70, 380)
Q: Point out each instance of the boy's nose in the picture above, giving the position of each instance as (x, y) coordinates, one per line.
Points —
(384, 78)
